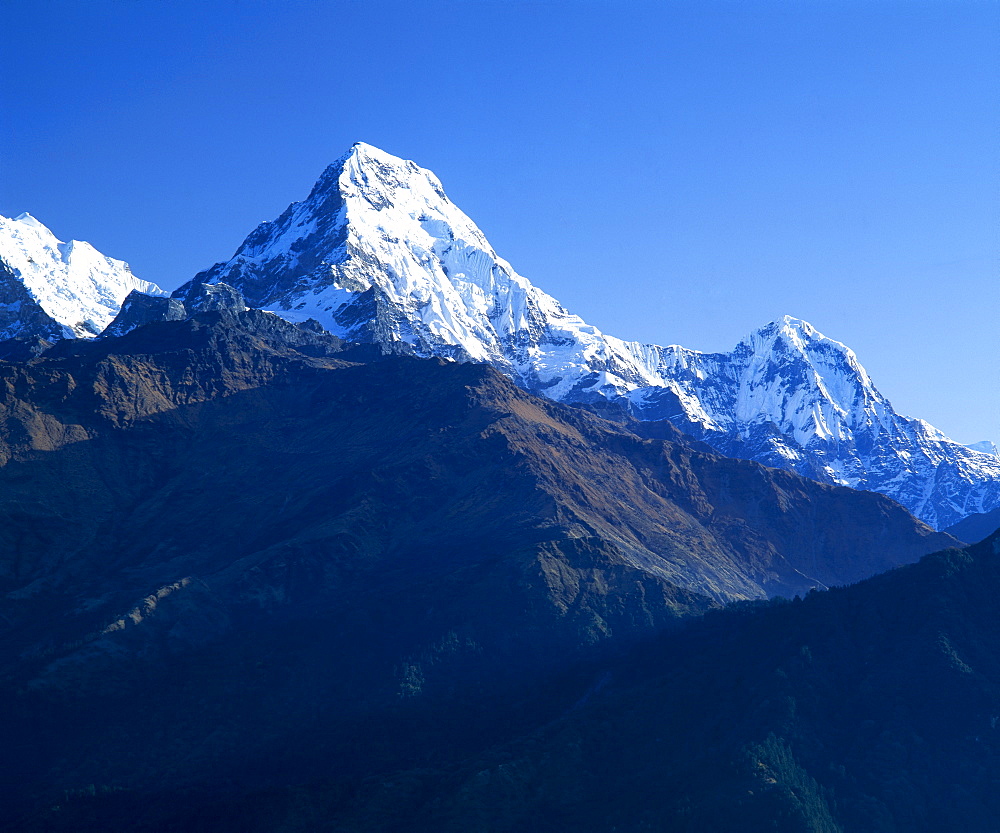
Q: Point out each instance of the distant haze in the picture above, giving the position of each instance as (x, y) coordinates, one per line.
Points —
(673, 172)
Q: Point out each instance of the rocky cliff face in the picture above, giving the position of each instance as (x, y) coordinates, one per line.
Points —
(377, 252)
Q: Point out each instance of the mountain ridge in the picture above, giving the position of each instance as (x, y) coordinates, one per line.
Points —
(252, 542)
(51, 289)
(378, 253)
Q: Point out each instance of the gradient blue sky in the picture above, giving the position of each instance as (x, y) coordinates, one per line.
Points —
(675, 172)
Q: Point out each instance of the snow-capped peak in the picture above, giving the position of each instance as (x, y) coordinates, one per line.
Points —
(28, 220)
(985, 447)
(796, 326)
(801, 336)
(377, 252)
(837, 373)
(53, 289)
(379, 231)
(363, 152)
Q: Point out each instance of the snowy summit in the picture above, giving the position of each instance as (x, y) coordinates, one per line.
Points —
(52, 289)
(377, 252)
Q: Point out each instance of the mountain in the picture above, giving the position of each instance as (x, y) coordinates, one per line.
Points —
(790, 397)
(986, 446)
(51, 290)
(976, 527)
(140, 308)
(868, 709)
(238, 551)
(378, 253)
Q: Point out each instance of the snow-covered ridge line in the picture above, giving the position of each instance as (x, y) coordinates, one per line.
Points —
(377, 252)
(53, 289)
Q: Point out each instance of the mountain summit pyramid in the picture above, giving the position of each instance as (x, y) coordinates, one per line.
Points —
(378, 253)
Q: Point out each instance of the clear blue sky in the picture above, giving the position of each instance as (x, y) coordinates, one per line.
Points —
(675, 172)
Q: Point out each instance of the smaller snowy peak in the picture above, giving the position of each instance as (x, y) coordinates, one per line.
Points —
(985, 447)
(828, 365)
(793, 342)
(54, 289)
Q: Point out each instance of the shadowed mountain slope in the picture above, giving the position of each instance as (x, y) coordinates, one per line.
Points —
(867, 709)
(237, 550)
(870, 708)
